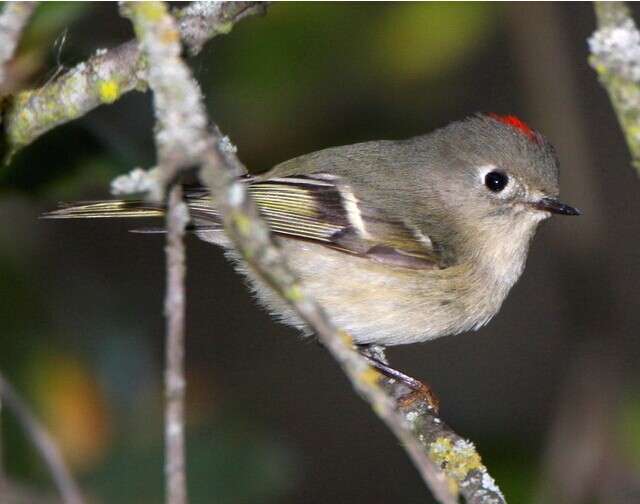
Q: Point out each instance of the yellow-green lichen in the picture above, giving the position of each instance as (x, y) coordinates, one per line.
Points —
(22, 98)
(150, 11)
(169, 37)
(453, 486)
(370, 376)
(243, 224)
(456, 459)
(108, 91)
(345, 337)
(35, 111)
(224, 28)
(294, 292)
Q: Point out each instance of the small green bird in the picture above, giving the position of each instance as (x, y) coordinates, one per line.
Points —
(400, 241)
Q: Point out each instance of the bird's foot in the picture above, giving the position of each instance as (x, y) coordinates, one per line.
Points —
(418, 389)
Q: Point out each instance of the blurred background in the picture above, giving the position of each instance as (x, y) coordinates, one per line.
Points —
(549, 390)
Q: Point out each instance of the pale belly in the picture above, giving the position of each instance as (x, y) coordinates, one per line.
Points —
(376, 304)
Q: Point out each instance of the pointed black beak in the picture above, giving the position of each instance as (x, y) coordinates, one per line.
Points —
(554, 206)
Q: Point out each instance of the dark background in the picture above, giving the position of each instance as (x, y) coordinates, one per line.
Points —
(548, 390)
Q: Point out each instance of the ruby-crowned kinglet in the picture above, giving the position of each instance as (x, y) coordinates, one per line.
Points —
(400, 241)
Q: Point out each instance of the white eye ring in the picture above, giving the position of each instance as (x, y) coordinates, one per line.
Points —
(483, 170)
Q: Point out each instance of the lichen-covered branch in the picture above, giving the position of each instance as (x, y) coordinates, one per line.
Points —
(12, 21)
(180, 116)
(43, 443)
(203, 20)
(615, 56)
(103, 78)
(456, 456)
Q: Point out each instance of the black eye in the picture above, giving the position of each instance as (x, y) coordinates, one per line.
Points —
(496, 181)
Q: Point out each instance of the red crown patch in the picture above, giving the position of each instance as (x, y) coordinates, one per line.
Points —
(514, 122)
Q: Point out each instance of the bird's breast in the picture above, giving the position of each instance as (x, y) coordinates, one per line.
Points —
(390, 306)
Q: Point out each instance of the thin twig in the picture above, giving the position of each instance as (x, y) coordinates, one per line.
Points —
(43, 443)
(615, 56)
(13, 19)
(175, 383)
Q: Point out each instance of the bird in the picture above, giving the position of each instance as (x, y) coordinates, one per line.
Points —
(401, 241)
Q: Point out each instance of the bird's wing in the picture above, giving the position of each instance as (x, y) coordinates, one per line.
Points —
(322, 208)
(319, 208)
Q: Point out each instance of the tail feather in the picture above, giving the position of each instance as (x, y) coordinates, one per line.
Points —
(194, 228)
(106, 209)
(205, 217)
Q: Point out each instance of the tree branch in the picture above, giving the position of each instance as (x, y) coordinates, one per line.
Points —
(203, 20)
(105, 77)
(180, 116)
(43, 443)
(454, 455)
(615, 56)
